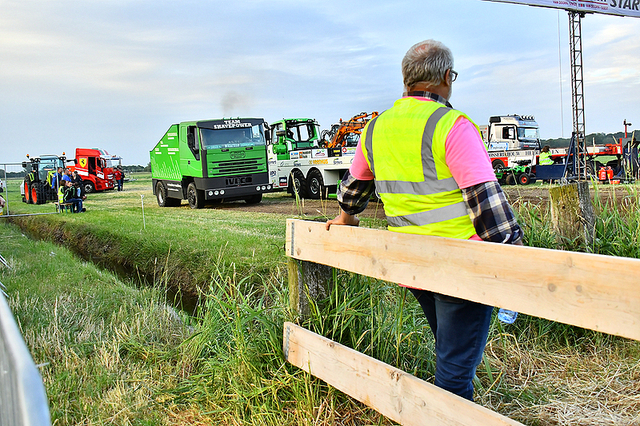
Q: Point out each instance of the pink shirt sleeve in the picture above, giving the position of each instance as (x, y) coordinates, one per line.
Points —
(360, 168)
(466, 155)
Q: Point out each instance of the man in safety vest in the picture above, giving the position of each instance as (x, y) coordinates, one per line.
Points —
(433, 174)
(544, 158)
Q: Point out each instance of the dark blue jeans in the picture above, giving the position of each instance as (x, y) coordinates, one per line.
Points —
(77, 204)
(460, 328)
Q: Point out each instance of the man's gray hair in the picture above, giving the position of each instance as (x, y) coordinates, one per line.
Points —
(426, 61)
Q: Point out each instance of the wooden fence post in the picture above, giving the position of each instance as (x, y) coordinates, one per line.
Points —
(572, 212)
(308, 281)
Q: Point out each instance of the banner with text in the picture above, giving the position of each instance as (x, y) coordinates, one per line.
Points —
(610, 7)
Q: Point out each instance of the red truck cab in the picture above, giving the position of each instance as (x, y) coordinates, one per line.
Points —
(95, 166)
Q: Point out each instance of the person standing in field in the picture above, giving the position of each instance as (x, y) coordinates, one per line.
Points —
(77, 182)
(118, 176)
(56, 178)
(433, 174)
(67, 175)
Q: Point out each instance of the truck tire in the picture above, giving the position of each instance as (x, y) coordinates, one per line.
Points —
(161, 194)
(315, 184)
(523, 178)
(38, 195)
(27, 192)
(195, 196)
(297, 184)
(89, 187)
(497, 164)
(254, 199)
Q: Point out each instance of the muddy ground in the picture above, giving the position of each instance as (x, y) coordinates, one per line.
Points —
(285, 204)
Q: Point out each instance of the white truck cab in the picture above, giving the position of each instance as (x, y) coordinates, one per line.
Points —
(511, 132)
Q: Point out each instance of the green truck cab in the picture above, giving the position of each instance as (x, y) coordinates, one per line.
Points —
(211, 161)
(300, 164)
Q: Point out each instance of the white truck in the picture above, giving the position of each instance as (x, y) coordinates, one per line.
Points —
(299, 162)
(511, 140)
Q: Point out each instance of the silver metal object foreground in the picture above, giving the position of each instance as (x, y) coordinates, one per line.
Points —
(23, 401)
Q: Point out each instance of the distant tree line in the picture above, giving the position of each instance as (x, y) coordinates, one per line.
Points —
(137, 169)
(591, 139)
(11, 174)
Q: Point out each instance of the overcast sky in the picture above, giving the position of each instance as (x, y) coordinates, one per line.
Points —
(116, 74)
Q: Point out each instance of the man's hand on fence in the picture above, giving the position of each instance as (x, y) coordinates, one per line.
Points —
(343, 219)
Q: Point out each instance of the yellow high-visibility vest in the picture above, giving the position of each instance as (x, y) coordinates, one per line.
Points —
(405, 150)
(545, 159)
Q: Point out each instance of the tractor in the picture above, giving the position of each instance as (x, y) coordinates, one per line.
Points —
(36, 187)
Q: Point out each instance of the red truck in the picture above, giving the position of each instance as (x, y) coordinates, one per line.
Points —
(95, 166)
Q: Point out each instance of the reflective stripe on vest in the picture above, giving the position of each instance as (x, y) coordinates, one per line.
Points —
(545, 158)
(430, 185)
(424, 206)
(431, 216)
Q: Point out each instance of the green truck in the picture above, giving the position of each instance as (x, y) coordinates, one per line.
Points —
(211, 161)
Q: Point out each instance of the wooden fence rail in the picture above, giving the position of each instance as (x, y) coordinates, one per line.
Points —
(586, 290)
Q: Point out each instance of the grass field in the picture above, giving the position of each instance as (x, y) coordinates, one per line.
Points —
(116, 351)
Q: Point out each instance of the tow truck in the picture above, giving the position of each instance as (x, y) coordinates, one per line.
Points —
(307, 165)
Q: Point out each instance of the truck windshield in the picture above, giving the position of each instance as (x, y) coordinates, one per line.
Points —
(528, 133)
(232, 138)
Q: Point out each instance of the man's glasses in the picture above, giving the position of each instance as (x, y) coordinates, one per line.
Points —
(454, 75)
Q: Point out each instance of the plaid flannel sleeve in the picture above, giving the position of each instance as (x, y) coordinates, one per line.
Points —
(353, 194)
(491, 214)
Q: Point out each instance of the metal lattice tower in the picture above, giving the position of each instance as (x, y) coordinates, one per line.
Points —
(577, 88)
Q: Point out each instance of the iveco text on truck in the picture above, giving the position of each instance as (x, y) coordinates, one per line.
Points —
(211, 161)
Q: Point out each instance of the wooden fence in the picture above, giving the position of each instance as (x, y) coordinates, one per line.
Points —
(591, 291)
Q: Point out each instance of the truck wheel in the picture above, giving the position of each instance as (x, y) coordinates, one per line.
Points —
(89, 187)
(523, 178)
(510, 179)
(254, 199)
(161, 194)
(497, 164)
(38, 193)
(195, 196)
(297, 184)
(315, 184)
(27, 192)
